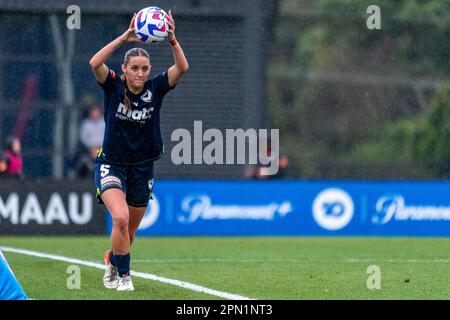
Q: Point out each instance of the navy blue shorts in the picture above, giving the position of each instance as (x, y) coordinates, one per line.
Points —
(136, 181)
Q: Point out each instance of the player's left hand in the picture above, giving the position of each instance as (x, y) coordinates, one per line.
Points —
(171, 24)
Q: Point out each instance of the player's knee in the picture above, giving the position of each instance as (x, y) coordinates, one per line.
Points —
(121, 222)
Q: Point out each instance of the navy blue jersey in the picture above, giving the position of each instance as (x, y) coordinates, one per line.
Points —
(133, 135)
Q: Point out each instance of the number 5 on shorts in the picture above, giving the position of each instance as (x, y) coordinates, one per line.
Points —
(104, 170)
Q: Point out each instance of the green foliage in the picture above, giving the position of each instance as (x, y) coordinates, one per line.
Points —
(388, 152)
(345, 96)
(432, 141)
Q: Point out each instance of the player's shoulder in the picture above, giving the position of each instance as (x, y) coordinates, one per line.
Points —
(113, 81)
(159, 75)
(159, 79)
(113, 75)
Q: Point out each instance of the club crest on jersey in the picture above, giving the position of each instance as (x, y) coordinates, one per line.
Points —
(147, 96)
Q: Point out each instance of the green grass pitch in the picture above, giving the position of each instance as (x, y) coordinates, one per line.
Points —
(255, 267)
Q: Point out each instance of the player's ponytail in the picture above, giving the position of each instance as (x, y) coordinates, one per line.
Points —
(126, 100)
(134, 52)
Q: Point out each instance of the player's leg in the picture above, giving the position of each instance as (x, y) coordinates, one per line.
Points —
(136, 215)
(139, 186)
(110, 182)
(114, 200)
(139, 190)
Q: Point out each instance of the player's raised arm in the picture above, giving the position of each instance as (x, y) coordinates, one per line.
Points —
(181, 65)
(98, 60)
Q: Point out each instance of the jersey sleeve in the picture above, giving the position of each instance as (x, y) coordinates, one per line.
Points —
(110, 82)
(161, 83)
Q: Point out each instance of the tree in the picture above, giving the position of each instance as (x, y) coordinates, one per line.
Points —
(432, 142)
(333, 82)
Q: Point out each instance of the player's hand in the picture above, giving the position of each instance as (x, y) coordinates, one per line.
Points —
(129, 35)
(171, 24)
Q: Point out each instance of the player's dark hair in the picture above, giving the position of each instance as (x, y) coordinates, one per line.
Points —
(134, 52)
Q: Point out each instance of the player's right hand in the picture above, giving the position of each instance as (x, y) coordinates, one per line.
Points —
(129, 35)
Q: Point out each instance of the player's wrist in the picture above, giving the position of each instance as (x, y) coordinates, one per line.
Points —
(173, 42)
(123, 38)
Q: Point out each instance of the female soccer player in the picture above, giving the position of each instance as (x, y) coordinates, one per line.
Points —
(132, 142)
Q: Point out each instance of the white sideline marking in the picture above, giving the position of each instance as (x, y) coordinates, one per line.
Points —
(399, 260)
(220, 260)
(187, 285)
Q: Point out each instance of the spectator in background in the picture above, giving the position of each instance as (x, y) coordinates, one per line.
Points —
(91, 137)
(252, 172)
(258, 171)
(13, 154)
(283, 162)
(92, 128)
(4, 164)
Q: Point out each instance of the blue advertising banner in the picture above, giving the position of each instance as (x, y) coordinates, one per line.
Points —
(297, 208)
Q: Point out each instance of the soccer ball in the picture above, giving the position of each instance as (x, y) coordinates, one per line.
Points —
(151, 25)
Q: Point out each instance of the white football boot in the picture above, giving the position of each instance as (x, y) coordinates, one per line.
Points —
(111, 277)
(125, 283)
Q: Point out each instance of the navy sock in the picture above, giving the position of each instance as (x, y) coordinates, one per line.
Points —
(122, 264)
(111, 258)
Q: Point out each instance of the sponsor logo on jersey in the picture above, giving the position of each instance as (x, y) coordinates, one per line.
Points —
(147, 96)
(133, 115)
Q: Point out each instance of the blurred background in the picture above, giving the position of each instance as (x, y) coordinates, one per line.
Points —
(360, 103)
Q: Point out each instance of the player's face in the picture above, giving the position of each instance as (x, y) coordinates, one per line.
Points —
(137, 71)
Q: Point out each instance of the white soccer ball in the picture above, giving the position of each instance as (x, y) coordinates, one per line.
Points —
(150, 25)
